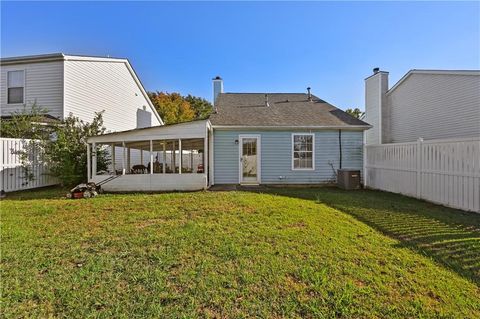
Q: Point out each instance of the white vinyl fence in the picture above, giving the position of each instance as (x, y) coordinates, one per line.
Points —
(446, 172)
(12, 174)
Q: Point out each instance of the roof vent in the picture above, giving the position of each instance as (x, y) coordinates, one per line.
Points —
(376, 70)
(309, 94)
(266, 100)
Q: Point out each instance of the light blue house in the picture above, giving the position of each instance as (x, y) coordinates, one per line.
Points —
(281, 138)
(251, 138)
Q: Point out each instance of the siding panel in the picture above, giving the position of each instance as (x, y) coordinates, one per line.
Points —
(43, 84)
(435, 106)
(276, 156)
(94, 86)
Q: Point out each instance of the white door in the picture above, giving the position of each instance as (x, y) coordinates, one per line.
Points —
(249, 159)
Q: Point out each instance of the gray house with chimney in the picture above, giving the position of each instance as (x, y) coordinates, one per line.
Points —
(251, 138)
(428, 104)
(281, 138)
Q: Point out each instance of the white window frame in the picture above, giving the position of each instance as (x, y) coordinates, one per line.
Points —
(24, 88)
(313, 152)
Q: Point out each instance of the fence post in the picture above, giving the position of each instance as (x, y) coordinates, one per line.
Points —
(419, 167)
(89, 168)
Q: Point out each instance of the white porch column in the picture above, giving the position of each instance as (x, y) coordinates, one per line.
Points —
(172, 157)
(191, 160)
(128, 159)
(113, 158)
(123, 158)
(89, 164)
(151, 157)
(94, 159)
(164, 156)
(180, 156)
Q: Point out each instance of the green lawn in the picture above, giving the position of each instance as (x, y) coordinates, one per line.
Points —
(315, 252)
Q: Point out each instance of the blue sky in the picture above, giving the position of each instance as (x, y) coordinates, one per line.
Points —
(254, 46)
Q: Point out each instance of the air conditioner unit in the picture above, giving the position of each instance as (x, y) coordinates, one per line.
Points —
(348, 179)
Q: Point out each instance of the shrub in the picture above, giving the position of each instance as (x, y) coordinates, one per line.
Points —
(66, 154)
(61, 144)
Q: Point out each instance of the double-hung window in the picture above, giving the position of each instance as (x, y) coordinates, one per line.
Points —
(15, 86)
(303, 154)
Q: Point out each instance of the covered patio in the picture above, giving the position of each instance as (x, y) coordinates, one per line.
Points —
(161, 158)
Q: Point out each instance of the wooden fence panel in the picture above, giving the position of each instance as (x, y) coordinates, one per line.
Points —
(441, 171)
(13, 175)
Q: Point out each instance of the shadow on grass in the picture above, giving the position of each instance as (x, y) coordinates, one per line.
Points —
(49, 192)
(449, 236)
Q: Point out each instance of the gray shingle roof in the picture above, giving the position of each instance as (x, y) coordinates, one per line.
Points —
(285, 109)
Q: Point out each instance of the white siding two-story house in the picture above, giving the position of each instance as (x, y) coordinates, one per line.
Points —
(79, 85)
(428, 104)
(425, 136)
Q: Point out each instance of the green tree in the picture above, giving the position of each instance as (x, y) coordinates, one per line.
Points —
(356, 112)
(201, 106)
(172, 107)
(27, 123)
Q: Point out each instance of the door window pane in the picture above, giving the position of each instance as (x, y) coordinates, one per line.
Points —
(249, 157)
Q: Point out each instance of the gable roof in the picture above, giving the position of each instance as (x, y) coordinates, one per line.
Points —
(70, 57)
(433, 72)
(284, 110)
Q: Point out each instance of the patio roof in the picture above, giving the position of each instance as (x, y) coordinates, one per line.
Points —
(193, 129)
